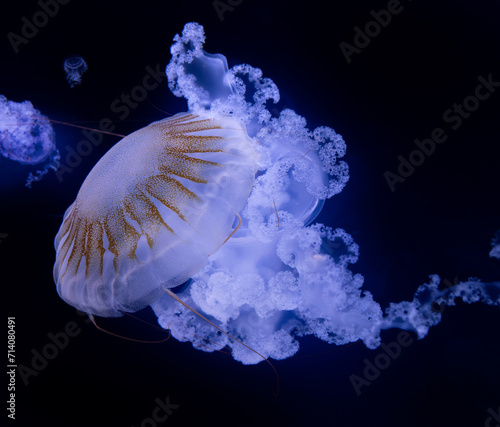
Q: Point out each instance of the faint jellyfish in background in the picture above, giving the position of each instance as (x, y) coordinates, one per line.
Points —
(495, 245)
(27, 137)
(74, 66)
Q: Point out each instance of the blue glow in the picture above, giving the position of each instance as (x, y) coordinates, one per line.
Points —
(277, 278)
(280, 276)
(27, 137)
(495, 245)
(74, 66)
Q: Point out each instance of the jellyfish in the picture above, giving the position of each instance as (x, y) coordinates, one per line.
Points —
(74, 66)
(27, 137)
(282, 276)
(216, 208)
(495, 245)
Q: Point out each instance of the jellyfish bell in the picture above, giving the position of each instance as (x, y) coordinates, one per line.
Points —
(74, 66)
(151, 211)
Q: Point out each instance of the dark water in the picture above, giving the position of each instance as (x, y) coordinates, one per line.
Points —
(396, 89)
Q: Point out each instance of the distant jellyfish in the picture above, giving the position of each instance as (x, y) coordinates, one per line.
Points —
(27, 137)
(495, 245)
(226, 195)
(74, 66)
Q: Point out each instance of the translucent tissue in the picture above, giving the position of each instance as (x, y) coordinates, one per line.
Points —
(280, 276)
(27, 137)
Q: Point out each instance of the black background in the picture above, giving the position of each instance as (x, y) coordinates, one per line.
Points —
(440, 220)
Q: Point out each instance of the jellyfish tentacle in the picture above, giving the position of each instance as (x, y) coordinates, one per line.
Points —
(92, 319)
(169, 292)
(277, 216)
(81, 127)
(236, 228)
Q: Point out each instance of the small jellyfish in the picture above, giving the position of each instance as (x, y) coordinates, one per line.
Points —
(27, 137)
(74, 66)
(495, 245)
